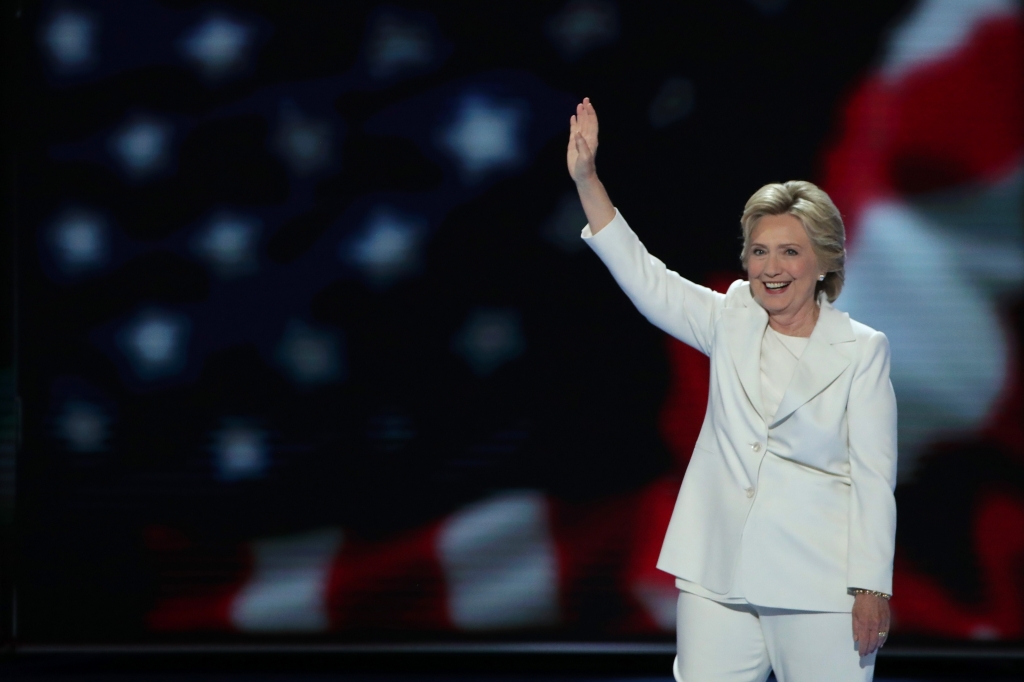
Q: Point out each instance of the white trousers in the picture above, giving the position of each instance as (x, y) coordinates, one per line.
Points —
(719, 642)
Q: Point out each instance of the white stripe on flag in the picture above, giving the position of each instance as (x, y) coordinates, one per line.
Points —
(929, 273)
(500, 564)
(935, 29)
(660, 603)
(288, 588)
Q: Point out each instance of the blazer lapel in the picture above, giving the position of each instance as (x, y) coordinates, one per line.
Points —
(820, 363)
(744, 328)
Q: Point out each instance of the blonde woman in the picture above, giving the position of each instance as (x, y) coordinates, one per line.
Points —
(783, 535)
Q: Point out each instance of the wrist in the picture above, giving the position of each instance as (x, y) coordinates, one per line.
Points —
(857, 591)
(587, 182)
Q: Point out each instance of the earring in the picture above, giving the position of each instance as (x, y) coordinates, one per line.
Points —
(821, 278)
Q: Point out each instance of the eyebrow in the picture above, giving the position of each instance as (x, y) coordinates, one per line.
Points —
(799, 246)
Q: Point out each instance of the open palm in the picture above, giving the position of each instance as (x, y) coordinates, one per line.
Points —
(582, 142)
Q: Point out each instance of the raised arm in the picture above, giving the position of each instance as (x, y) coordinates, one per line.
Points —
(580, 159)
(672, 303)
(681, 308)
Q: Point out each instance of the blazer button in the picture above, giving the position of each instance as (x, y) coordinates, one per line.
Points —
(750, 492)
(756, 447)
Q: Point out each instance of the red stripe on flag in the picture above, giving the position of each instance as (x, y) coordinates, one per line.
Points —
(950, 122)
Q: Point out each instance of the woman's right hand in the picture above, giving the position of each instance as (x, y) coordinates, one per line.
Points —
(582, 143)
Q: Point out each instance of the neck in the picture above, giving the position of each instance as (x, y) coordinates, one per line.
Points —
(797, 323)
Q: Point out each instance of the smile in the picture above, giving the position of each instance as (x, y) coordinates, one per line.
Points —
(776, 286)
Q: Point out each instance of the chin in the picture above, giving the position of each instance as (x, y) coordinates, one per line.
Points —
(775, 304)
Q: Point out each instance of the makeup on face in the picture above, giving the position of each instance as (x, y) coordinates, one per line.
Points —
(781, 266)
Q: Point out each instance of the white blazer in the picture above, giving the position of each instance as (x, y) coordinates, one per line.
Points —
(798, 510)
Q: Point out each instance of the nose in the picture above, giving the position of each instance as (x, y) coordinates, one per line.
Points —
(771, 266)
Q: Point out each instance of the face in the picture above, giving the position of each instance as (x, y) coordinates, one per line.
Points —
(782, 267)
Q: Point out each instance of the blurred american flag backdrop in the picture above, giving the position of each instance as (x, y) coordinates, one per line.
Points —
(308, 344)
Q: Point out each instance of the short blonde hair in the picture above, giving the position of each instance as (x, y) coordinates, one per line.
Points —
(820, 218)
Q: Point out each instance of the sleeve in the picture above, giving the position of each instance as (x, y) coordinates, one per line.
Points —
(672, 303)
(871, 417)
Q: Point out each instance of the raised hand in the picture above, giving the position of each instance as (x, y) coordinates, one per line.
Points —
(582, 142)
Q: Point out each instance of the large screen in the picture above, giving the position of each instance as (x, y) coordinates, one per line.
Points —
(309, 345)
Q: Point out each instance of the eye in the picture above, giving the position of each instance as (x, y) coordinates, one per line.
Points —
(758, 251)
(792, 252)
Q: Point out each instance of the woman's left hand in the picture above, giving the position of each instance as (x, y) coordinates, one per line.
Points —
(582, 151)
(870, 621)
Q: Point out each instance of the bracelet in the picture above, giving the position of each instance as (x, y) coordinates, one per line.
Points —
(883, 595)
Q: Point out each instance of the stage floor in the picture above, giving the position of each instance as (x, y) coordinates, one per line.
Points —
(317, 666)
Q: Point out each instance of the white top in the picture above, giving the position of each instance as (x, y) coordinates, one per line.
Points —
(779, 357)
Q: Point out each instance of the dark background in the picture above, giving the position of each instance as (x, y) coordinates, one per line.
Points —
(406, 430)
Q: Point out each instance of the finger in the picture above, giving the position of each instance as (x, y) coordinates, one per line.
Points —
(592, 117)
(592, 113)
(582, 147)
(581, 119)
(863, 639)
(875, 627)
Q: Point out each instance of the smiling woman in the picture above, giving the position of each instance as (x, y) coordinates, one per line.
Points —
(819, 218)
(783, 535)
(783, 271)
(793, 249)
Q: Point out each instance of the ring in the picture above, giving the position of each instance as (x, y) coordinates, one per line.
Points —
(883, 634)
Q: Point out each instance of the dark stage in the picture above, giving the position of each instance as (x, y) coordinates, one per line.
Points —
(509, 663)
(304, 363)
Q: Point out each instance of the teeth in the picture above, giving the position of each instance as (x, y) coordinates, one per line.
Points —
(775, 285)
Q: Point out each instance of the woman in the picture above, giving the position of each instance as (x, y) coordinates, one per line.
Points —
(783, 534)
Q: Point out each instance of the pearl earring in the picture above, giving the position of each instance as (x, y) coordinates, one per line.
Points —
(821, 278)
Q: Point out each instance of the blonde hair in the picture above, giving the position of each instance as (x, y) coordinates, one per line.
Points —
(820, 218)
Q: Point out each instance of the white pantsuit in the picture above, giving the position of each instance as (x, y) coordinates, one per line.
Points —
(806, 496)
(743, 643)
